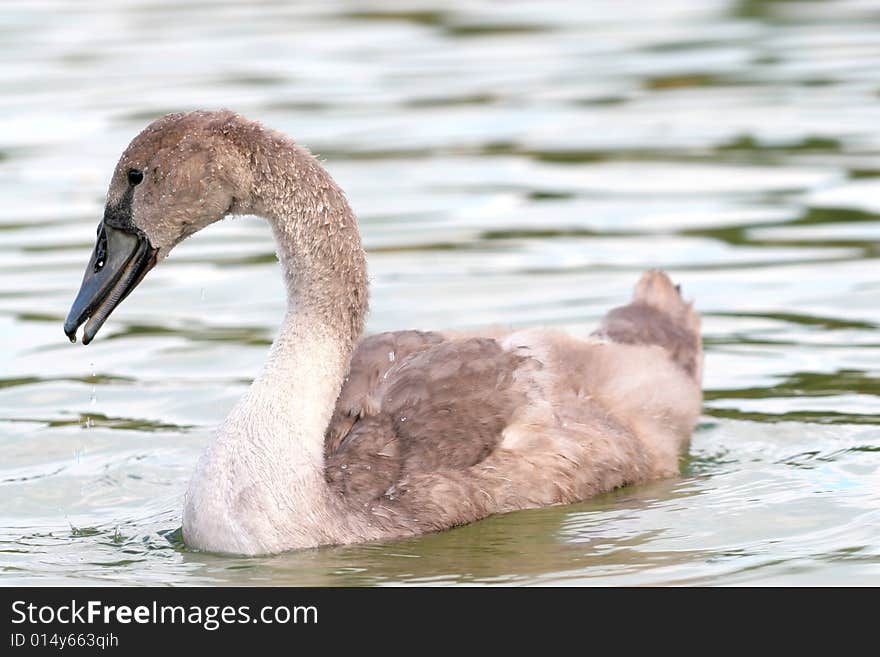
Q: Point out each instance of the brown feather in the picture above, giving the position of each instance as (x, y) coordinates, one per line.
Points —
(432, 430)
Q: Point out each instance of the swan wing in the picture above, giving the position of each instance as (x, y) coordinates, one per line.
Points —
(443, 405)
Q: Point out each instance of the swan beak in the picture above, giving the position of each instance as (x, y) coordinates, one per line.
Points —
(119, 262)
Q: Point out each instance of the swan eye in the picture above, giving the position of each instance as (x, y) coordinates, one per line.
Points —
(135, 176)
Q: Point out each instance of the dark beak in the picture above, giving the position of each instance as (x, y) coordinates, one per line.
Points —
(119, 262)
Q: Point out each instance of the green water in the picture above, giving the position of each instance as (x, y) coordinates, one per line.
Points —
(511, 163)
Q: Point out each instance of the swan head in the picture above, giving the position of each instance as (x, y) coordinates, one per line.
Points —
(180, 174)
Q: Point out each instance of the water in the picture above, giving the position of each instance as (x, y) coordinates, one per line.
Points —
(515, 163)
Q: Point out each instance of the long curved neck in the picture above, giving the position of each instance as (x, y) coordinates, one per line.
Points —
(316, 235)
(319, 247)
(266, 466)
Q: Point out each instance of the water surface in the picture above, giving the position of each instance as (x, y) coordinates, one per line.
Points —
(511, 163)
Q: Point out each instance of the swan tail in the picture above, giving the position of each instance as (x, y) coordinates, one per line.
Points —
(658, 314)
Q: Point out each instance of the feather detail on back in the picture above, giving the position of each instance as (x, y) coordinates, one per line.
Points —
(658, 315)
(434, 430)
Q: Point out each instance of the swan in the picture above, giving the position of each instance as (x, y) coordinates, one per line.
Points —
(342, 439)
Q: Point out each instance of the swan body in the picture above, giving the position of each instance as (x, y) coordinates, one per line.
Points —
(342, 439)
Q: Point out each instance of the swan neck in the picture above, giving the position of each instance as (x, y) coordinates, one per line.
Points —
(324, 271)
(316, 234)
(260, 486)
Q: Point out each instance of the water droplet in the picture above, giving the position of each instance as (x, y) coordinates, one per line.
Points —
(343, 467)
(93, 399)
(391, 356)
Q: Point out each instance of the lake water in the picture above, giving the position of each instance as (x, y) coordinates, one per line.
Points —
(510, 162)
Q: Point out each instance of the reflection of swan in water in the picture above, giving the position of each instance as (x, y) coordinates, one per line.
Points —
(400, 434)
